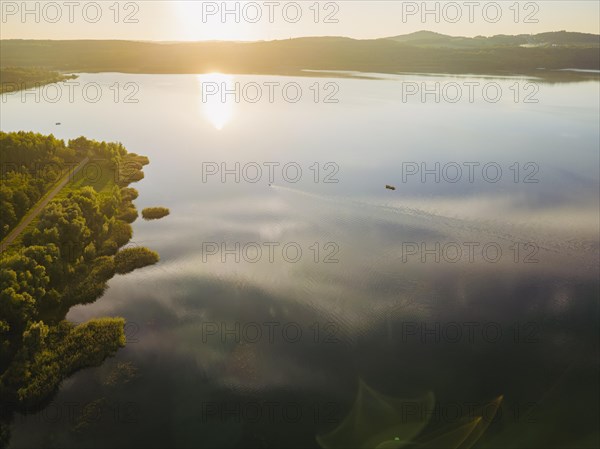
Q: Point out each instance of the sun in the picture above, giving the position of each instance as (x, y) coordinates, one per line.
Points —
(195, 22)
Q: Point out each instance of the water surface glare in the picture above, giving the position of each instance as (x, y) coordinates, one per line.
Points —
(297, 275)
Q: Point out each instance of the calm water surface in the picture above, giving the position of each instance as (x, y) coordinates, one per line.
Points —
(270, 350)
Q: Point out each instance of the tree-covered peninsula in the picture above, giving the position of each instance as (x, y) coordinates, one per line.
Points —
(64, 257)
(19, 78)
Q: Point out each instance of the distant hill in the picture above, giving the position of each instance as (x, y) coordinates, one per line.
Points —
(556, 38)
(422, 35)
(423, 51)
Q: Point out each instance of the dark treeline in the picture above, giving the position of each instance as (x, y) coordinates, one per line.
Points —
(390, 55)
(64, 260)
(18, 78)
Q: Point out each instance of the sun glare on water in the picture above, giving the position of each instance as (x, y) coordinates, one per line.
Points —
(216, 106)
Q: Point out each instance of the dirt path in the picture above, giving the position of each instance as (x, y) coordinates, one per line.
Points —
(35, 211)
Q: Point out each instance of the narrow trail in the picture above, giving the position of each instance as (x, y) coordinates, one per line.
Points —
(35, 210)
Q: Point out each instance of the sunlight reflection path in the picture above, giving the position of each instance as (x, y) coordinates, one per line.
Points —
(217, 101)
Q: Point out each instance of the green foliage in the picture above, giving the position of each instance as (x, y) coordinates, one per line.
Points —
(121, 232)
(142, 160)
(49, 354)
(153, 213)
(60, 264)
(32, 163)
(103, 150)
(129, 193)
(65, 259)
(129, 170)
(103, 269)
(109, 248)
(129, 259)
(130, 174)
(128, 214)
(109, 204)
(22, 281)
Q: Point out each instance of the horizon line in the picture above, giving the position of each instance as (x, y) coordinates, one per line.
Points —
(292, 37)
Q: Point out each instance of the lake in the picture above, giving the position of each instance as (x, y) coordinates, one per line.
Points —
(293, 285)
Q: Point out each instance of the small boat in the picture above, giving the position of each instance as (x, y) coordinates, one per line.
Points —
(390, 187)
(57, 123)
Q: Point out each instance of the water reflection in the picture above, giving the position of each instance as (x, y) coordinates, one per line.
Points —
(217, 98)
(200, 344)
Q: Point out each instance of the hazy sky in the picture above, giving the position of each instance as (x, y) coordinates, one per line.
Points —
(265, 20)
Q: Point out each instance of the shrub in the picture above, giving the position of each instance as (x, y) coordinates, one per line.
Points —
(129, 259)
(121, 232)
(129, 193)
(154, 213)
(128, 215)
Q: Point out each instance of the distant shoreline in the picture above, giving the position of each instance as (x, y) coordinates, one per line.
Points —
(541, 75)
(331, 56)
(15, 79)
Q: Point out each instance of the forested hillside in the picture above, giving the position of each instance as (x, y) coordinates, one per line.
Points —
(411, 53)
